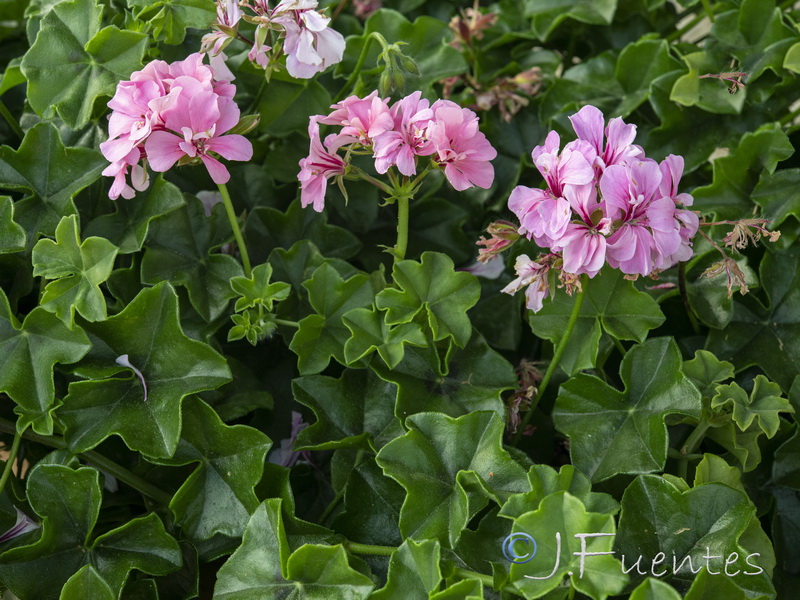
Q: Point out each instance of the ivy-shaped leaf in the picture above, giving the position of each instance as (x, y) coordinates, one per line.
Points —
(473, 379)
(172, 366)
(370, 333)
(450, 468)
(87, 583)
(735, 175)
(49, 175)
(612, 304)
(354, 411)
(218, 498)
(432, 289)
(614, 431)
(28, 353)
(179, 250)
(545, 480)
(705, 371)
(73, 61)
(638, 66)
(563, 515)
(127, 226)
(263, 568)
(78, 269)
(546, 17)
(708, 520)
(786, 466)
(654, 589)
(12, 236)
(466, 589)
(322, 336)
(708, 586)
(767, 335)
(268, 228)
(257, 290)
(414, 571)
(69, 503)
(778, 194)
(171, 18)
(762, 405)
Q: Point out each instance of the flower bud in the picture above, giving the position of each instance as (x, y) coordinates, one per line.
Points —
(246, 124)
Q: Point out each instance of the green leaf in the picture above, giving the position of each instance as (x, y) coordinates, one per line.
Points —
(172, 365)
(736, 175)
(262, 567)
(763, 405)
(708, 296)
(171, 18)
(28, 354)
(437, 293)
(707, 586)
(268, 228)
(218, 498)
(127, 227)
(767, 335)
(612, 304)
(179, 250)
(372, 504)
(354, 411)
(257, 290)
(654, 589)
(49, 175)
(414, 571)
(322, 336)
(545, 480)
(713, 469)
(657, 517)
(12, 236)
(473, 379)
(68, 501)
(87, 583)
(548, 15)
(792, 59)
(466, 589)
(450, 468)
(563, 515)
(705, 370)
(786, 467)
(615, 431)
(425, 42)
(73, 61)
(370, 333)
(78, 269)
(709, 94)
(638, 65)
(778, 195)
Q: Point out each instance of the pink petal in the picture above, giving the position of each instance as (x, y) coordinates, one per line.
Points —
(163, 150)
(219, 174)
(232, 147)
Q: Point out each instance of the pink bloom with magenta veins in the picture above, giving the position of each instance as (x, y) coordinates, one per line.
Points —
(310, 45)
(321, 164)
(361, 118)
(408, 138)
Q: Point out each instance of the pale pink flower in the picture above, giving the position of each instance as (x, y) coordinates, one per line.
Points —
(540, 213)
(617, 147)
(407, 138)
(362, 119)
(310, 45)
(583, 245)
(462, 149)
(202, 118)
(571, 167)
(533, 275)
(321, 164)
(228, 16)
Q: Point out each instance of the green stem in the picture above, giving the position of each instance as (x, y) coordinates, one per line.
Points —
(12, 456)
(708, 9)
(551, 368)
(619, 346)
(468, 574)
(402, 229)
(294, 324)
(348, 86)
(368, 549)
(376, 182)
(237, 232)
(109, 466)
(340, 494)
(687, 451)
(12, 122)
(787, 120)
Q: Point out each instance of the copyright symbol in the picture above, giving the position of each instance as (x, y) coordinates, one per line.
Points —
(510, 551)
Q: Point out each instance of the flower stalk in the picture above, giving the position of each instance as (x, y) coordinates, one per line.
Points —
(237, 232)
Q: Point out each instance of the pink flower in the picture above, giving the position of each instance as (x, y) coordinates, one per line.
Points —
(321, 164)
(571, 167)
(535, 277)
(407, 138)
(201, 117)
(310, 45)
(541, 214)
(228, 16)
(583, 245)
(588, 124)
(462, 149)
(362, 119)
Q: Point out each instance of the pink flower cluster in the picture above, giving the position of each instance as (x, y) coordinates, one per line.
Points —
(309, 44)
(167, 113)
(396, 136)
(605, 202)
